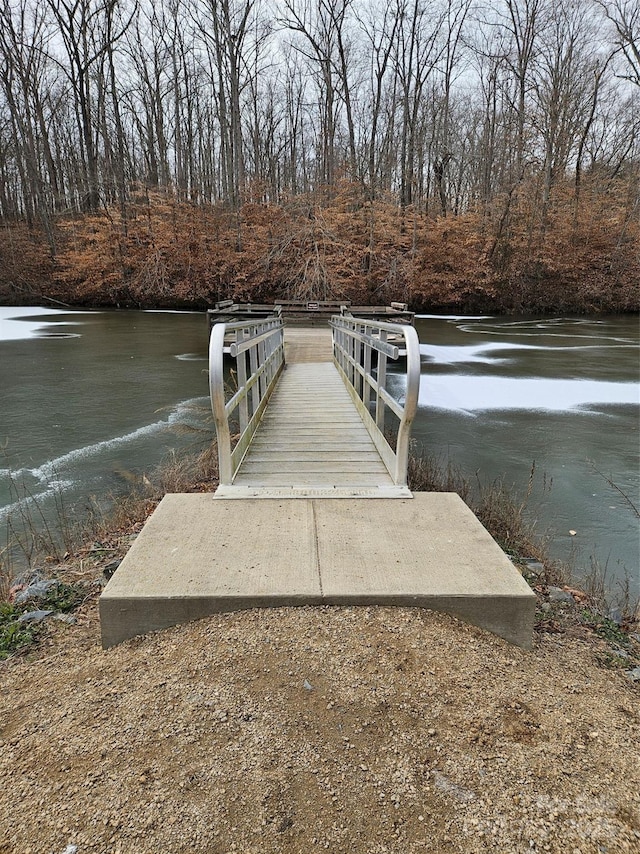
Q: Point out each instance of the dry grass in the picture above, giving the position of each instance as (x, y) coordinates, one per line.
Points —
(499, 507)
(33, 540)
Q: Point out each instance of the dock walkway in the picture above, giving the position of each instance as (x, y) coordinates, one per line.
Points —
(311, 441)
(311, 433)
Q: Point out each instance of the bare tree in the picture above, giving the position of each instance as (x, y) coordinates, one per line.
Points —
(149, 91)
(225, 28)
(562, 90)
(456, 18)
(316, 23)
(380, 27)
(418, 51)
(80, 24)
(22, 73)
(625, 17)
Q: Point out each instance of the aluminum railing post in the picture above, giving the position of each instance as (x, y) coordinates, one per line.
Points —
(410, 404)
(216, 390)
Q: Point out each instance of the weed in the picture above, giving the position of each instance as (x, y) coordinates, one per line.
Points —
(611, 660)
(606, 598)
(615, 486)
(430, 474)
(32, 537)
(29, 529)
(604, 627)
(14, 635)
(64, 597)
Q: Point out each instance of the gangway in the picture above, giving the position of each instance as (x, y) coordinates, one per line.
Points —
(307, 413)
(305, 416)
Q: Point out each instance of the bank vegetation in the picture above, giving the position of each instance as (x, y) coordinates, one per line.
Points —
(445, 154)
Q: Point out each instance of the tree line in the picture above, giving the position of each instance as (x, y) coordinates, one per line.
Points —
(448, 106)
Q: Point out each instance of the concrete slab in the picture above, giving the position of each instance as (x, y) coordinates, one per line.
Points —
(198, 556)
(430, 551)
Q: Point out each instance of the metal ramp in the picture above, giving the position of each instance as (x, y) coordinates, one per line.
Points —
(322, 434)
(312, 442)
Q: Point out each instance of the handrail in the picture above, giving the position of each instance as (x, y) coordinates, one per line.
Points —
(258, 348)
(355, 339)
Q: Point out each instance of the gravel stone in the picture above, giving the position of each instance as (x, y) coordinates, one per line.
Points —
(421, 734)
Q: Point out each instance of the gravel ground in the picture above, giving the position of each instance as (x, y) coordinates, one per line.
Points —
(299, 730)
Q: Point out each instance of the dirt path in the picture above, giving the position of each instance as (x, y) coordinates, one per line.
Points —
(347, 730)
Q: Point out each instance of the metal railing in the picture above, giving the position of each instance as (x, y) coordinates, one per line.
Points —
(258, 348)
(355, 341)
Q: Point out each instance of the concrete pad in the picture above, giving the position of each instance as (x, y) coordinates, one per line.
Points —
(431, 552)
(197, 556)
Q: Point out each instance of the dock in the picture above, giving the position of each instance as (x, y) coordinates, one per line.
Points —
(306, 439)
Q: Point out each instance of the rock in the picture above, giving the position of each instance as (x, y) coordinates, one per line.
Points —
(65, 618)
(35, 590)
(33, 616)
(110, 568)
(633, 675)
(615, 615)
(556, 594)
(446, 785)
(533, 565)
(307, 685)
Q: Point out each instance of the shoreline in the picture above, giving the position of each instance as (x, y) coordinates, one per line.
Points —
(423, 309)
(171, 253)
(348, 729)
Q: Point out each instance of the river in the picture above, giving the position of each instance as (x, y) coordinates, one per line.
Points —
(91, 400)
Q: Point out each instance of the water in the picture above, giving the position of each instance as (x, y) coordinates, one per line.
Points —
(90, 399)
(500, 394)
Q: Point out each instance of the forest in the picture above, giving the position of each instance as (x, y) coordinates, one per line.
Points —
(453, 154)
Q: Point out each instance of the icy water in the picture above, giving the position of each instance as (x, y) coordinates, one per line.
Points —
(91, 400)
(500, 394)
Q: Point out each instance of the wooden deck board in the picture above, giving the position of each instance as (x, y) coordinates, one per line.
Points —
(311, 437)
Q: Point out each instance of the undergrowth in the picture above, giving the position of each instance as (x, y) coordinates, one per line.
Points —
(15, 634)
